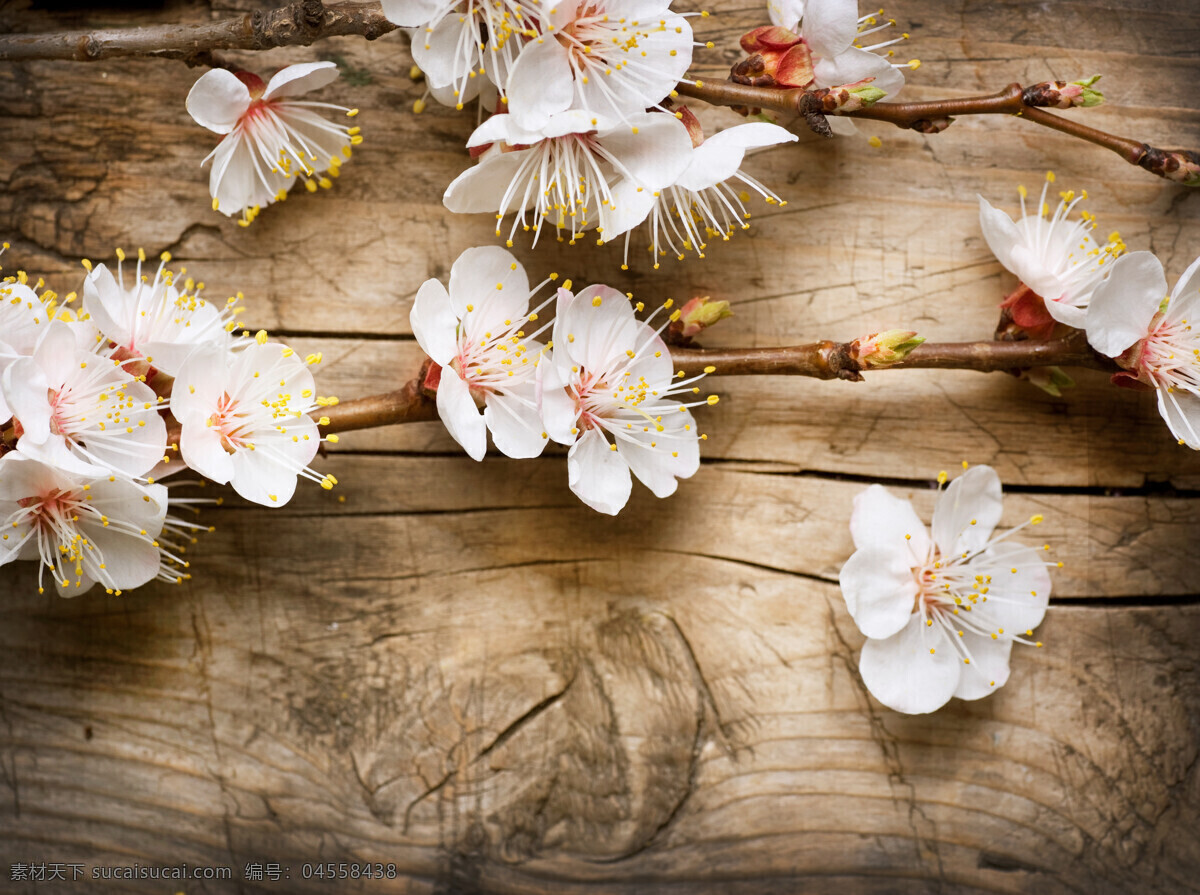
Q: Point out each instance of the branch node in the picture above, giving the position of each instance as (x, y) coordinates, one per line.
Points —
(1177, 165)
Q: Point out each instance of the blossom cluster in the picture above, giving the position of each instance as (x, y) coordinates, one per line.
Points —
(587, 137)
(1119, 299)
(603, 383)
(85, 400)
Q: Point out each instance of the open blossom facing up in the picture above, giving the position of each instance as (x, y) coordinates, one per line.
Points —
(707, 200)
(610, 57)
(154, 322)
(940, 612)
(610, 393)
(1153, 336)
(81, 411)
(1054, 256)
(481, 334)
(579, 172)
(84, 530)
(270, 139)
(244, 419)
(461, 47)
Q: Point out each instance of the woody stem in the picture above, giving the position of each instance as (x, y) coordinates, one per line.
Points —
(820, 360)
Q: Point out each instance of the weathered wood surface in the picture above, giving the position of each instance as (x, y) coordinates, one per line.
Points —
(460, 670)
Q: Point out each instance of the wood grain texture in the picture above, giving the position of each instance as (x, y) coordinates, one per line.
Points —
(457, 668)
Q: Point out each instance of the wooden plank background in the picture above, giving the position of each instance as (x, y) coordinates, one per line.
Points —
(457, 668)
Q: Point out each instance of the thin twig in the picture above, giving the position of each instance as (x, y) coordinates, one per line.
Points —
(305, 21)
(820, 360)
(297, 24)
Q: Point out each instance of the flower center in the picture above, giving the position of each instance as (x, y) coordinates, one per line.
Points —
(230, 420)
(1170, 356)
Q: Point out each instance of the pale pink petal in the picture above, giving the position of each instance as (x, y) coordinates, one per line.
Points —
(1181, 410)
(493, 282)
(786, 13)
(1185, 297)
(261, 479)
(719, 157)
(25, 386)
(1124, 304)
(597, 474)
(295, 80)
(1000, 233)
(883, 521)
(513, 419)
(631, 204)
(967, 512)
(829, 26)
(217, 100)
(855, 65)
(880, 590)
(903, 673)
(411, 13)
(461, 417)
(433, 322)
(483, 186)
(201, 449)
(540, 82)
(653, 466)
(599, 328)
(1016, 601)
(559, 411)
(988, 669)
(657, 154)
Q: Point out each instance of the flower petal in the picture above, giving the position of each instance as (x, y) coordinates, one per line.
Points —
(1016, 601)
(879, 589)
(457, 409)
(201, 449)
(988, 670)
(1000, 233)
(411, 13)
(719, 157)
(433, 322)
(483, 186)
(656, 155)
(1124, 304)
(540, 82)
(301, 78)
(829, 26)
(217, 100)
(883, 521)
(597, 474)
(855, 65)
(494, 285)
(1186, 294)
(914, 671)
(512, 418)
(967, 512)
(1181, 410)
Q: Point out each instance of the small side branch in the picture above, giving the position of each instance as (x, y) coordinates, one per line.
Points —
(819, 360)
(297, 24)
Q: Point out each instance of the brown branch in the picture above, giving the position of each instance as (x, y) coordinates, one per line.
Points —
(305, 21)
(1179, 165)
(820, 360)
(297, 24)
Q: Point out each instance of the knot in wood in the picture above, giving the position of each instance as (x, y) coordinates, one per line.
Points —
(311, 16)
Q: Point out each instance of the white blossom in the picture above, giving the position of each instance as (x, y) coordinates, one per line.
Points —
(481, 332)
(708, 199)
(155, 321)
(612, 378)
(940, 612)
(244, 419)
(1053, 255)
(1153, 335)
(610, 57)
(84, 530)
(270, 139)
(579, 172)
(81, 411)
